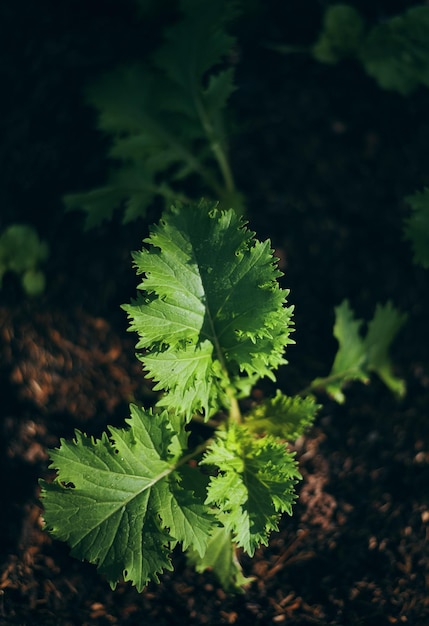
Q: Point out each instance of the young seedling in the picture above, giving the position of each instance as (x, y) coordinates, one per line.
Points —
(165, 117)
(211, 320)
(22, 252)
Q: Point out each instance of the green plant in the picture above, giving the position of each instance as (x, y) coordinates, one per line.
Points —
(358, 356)
(22, 252)
(395, 52)
(341, 34)
(165, 118)
(211, 319)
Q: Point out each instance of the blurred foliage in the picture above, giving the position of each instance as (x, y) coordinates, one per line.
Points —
(21, 252)
(395, 51)
(341, 35)
(417, 226)
(165, 119)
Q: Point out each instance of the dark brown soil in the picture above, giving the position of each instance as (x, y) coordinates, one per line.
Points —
(325, 159)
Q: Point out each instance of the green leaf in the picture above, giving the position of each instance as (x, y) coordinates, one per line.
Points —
(382, 330)
(254, 485)
(350, 359)
(211, 309)
(21, 249)
(33, 282)
(396, 51)
(283, 416)
(123, 500)
(220, 558)
(165, 117)
(98, 204)
(417, 226)
(341, 34)
(196, 43)
(358, 356)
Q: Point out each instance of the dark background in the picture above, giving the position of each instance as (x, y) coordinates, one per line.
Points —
(325, 158)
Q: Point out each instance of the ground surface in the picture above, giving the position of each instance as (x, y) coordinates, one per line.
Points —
(325, 159)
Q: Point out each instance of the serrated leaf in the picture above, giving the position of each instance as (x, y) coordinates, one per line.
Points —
(123, 500)
(220, 558)
(196, 43)
(218, 91)
(283, 416)
(211, 310)
(254, 485)
(165, 117)
(98, 204)
(417, 226)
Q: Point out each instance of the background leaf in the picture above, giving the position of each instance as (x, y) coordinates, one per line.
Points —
(358, 356)
(341, 34)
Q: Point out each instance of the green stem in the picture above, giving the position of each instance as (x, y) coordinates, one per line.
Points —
(215, 144)
(188, 157)
(322, 383)
(223, 165)
(195, 452)
(234, 409)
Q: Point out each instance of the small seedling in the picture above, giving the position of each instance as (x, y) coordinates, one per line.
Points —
(22, 252)
(212, 320)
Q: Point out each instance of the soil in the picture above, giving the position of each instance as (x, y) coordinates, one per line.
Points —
(325, 159)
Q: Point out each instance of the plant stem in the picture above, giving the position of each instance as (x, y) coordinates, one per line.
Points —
(223, 165)
(215, 144)
(195, 452)
(234, 410)
(321, 383)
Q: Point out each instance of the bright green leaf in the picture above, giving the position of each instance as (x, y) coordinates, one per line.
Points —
(123, 500)
(220, 558)
(254, 485)
(211, 309)
(283, 416)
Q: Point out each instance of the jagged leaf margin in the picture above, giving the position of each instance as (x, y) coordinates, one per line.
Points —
(285, 417)
(211, 310)
(255, 483)
(119, 502)
(396, 51)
